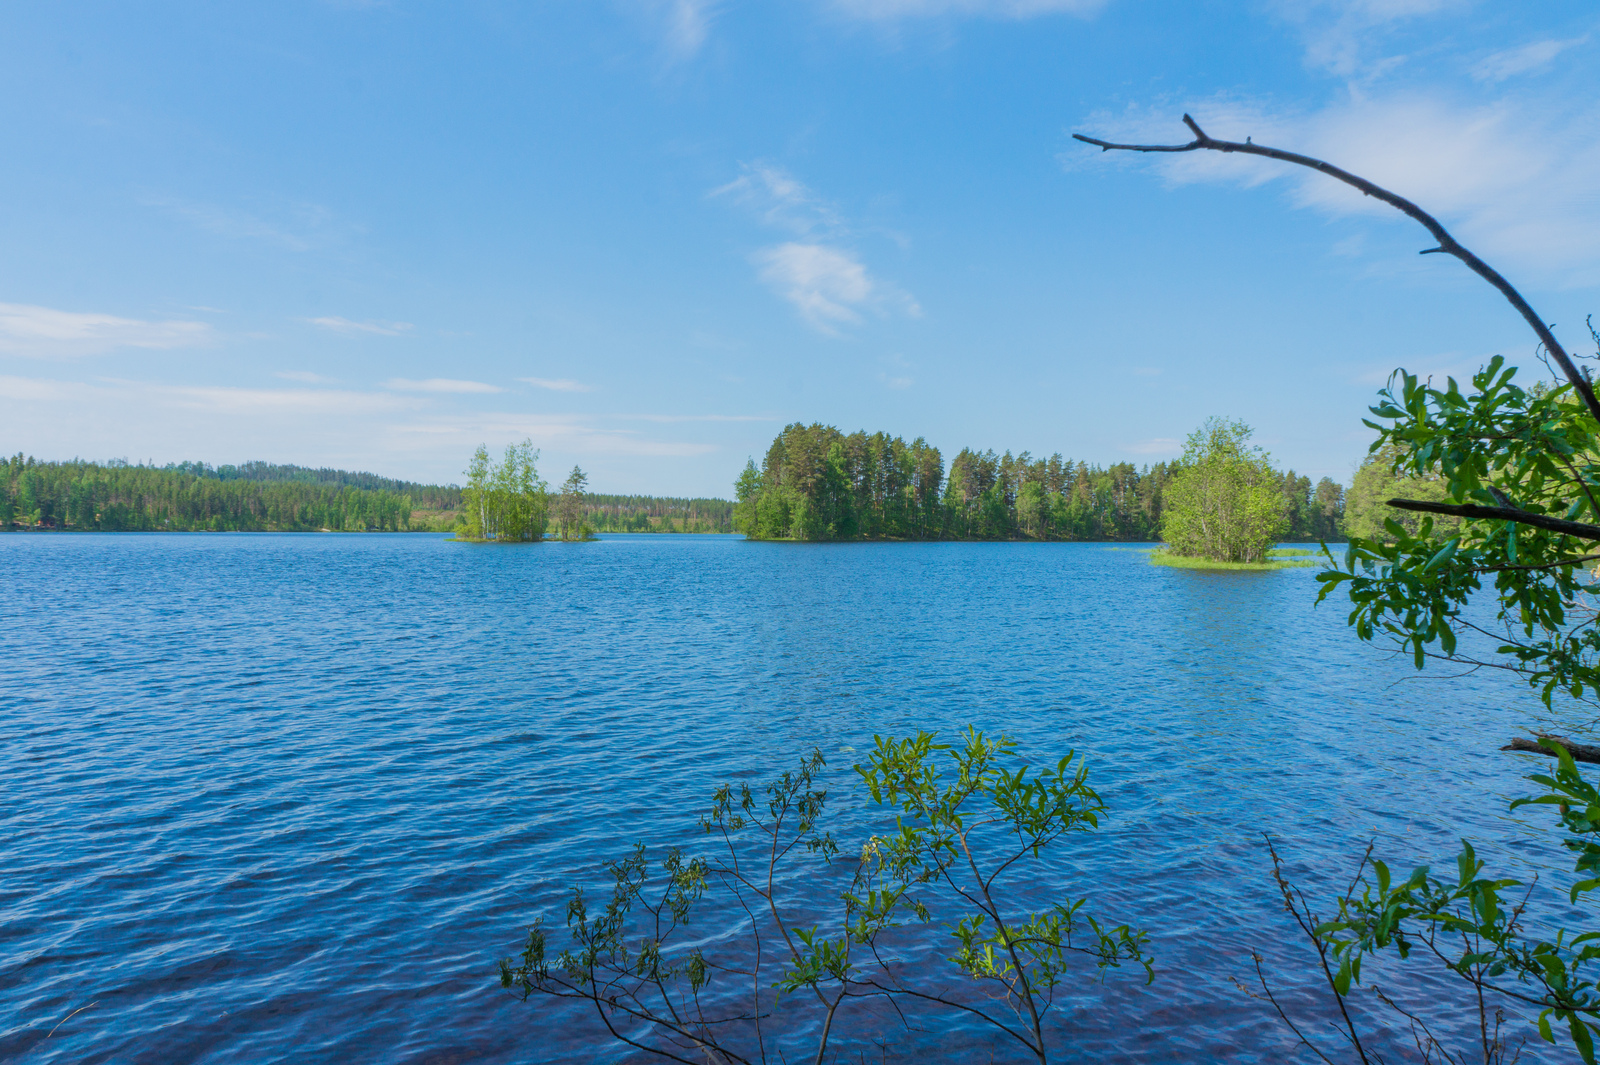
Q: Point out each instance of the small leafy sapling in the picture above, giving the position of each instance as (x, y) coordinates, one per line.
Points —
(854, 929)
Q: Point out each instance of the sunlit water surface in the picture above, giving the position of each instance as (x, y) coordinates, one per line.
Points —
(289, 797)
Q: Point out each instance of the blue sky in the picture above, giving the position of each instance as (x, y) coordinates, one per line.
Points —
(649, 234)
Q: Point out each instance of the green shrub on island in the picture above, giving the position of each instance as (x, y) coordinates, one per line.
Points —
(964, 830)
(1223, 504)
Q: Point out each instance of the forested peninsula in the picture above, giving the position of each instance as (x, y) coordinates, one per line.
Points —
(817, 483)
(267, 497)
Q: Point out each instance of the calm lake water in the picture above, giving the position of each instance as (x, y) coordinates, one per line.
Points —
(288, 797)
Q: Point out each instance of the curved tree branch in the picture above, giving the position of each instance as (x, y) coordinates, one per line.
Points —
(1582, 530)
(1447, 244)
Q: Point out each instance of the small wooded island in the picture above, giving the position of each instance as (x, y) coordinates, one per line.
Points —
(506, 502)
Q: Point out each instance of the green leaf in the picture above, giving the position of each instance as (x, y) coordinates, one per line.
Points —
(1581, 1038)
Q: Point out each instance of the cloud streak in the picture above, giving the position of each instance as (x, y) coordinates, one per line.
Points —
(828, 286)
(556, 384)
(46, 333)
(687, 24)
(1523, 60)
(569, 434)
(348, 327)
(441, 385)
(885, 10)
(675, 418)
(781, 200)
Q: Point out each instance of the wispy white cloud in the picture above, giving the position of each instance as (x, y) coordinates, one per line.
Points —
(444, 385)
(829, 286)
(304, 377)
(1523, 60)
(350, 328)
(825, 280)
(556, 384)
(211, 399)
(1011, 9)
(673, 418)
(46, 333)
(685, 25)
(571, 434)
(1511, 178)
(221, 399)
(404, 434)
(781, 200)
(1343, 37)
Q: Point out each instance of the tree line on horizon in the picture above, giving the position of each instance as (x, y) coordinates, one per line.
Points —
(818, 483)
(118, 497)
(423, 496)
(874, 487)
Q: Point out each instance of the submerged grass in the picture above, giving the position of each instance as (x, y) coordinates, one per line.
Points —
(1167, 558)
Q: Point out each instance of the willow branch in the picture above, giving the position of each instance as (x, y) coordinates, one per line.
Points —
(1447, 244)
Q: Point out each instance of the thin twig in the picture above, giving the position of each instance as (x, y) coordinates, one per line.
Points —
(71, 1015)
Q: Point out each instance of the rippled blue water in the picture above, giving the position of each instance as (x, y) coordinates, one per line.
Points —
(288, 797)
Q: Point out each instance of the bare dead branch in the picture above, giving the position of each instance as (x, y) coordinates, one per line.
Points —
(1581, 752)
(1540, 565)
(1580, 529)
(1446, 243)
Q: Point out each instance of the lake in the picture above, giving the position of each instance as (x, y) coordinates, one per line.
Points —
(289, 797)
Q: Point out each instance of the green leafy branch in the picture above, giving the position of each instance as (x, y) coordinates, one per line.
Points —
(1531, 460)
(967, 820)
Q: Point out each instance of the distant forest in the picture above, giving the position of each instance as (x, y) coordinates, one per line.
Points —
(265, 497)
(657, 514)
(817, 483)
(423, 496)
(116, 496)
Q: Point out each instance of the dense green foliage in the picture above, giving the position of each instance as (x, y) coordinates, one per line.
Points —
(817, 483)
(1519, 469)
(822, 929)
(1376, 481)
(504, 501)
(115, 496)
(1498, 446)
(1224, 501)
